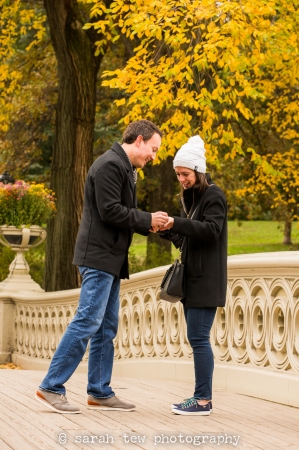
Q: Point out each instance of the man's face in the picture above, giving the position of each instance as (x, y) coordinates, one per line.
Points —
(145, 151)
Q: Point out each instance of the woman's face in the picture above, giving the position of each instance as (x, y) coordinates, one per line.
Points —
(186, 177)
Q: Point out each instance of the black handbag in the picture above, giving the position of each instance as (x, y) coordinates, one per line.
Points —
(172, 285)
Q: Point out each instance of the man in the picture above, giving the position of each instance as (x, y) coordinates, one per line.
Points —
(110, 217)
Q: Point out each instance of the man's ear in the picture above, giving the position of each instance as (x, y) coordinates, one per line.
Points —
(138, 140)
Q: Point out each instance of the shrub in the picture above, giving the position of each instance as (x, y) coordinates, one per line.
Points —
(25, 204)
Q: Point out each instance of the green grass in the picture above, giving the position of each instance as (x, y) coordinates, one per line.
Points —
(243, 237)
(259, 236)
(139, 245)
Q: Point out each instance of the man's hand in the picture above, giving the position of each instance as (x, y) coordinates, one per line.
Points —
(154, 229)
(159, 219)
(168, 224)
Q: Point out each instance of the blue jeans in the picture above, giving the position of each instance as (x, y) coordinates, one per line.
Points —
(199, 323)
(96, 320)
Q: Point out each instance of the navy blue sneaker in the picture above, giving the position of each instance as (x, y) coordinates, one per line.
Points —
(191, 408)
(177, 405)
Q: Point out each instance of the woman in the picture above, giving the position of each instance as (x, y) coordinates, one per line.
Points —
(203, 227)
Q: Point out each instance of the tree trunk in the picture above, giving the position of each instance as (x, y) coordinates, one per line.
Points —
(73, 143)
(287, 233)
(160, 195)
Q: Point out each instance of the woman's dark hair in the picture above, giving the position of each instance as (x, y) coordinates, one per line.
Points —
(201, 183)
(144, 128)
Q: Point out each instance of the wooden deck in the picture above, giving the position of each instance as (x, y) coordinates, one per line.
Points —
(237, 421)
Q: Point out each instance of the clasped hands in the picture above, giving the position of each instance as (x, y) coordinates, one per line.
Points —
(161, 222)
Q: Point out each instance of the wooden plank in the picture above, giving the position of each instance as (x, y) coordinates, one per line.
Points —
(94, 439)
(189, 418)
(34, 437)
(16, 435)
(259, 410)
(262, 421)
(166, 420)
(146, 421)
(237, 399)
(47, 425)
(261, 424)
(79, 418)
(14, 439)
(21, 408)
(275, 411)
(251, 434)
(4, 445)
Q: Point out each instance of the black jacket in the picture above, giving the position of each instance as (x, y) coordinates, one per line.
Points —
(205, 248)
(110, 215)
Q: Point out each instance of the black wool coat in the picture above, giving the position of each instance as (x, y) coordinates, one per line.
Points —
(205, 248)
(110, 215)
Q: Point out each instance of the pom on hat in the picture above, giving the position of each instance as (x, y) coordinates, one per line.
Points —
(192, 155)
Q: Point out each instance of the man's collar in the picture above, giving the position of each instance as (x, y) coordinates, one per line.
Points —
(134, 168)
(120, 151)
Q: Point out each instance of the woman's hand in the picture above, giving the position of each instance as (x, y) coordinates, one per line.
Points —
(168, 224)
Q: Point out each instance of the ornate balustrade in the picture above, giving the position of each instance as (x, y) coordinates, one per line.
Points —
(259, 325)
(255, 338)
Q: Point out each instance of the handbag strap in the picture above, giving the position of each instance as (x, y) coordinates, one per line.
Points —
(184, 239)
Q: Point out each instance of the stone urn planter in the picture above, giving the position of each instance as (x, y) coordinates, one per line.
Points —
(24, 209)
(20, 240)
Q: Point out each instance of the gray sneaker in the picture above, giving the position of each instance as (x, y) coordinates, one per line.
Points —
(56, 402)
(109, 404)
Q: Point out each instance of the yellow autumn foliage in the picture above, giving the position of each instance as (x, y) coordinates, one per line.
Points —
(199, 66)
(28, 83)
(16, 20)
(202, 66)
(196, 55)
(277, 173)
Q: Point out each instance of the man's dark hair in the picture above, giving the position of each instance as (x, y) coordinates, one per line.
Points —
(144, 128)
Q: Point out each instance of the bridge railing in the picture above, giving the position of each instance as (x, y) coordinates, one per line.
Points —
(255, 338)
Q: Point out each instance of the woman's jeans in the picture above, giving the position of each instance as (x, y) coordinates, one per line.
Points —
(199, 323)
(96, 321)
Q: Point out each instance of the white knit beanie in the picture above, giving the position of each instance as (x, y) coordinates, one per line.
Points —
(192, 155)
